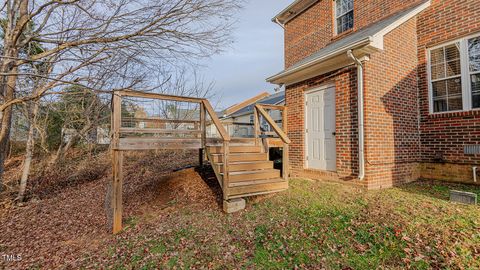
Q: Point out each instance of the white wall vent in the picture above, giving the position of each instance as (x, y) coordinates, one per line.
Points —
(473, 149)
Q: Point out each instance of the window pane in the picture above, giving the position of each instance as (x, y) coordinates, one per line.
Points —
(350, 4)
(447, 95)
(474, 54)
(452, 52)
(475, 90)
(455, 104)
(440, 105)
(339, 8)
(437, 56)
(476, 101)
(344, 14)
(439, 89)
(453, 68)
(438, 71)
(454, 87)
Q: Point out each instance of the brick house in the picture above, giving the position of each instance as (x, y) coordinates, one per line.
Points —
(382, 92)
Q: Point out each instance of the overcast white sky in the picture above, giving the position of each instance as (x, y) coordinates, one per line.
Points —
(240, 72)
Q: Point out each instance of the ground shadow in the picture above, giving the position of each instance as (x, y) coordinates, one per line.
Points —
(208, 176)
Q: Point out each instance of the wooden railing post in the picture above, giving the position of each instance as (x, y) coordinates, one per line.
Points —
(115, 212)
(285, 157)
(203, 127)
(256, 125)
(226, 173)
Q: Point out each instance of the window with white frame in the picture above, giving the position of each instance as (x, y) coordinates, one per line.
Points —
(454, 76)
(474, 70)
(343, 15)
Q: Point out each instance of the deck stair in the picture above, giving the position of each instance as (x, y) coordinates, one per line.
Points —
(250, 170)
(241, 165)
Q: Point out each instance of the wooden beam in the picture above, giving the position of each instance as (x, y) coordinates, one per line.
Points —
(128, 144)
(223, 133)
(130, 93)
(272, 123)
(273, 107)
(159, 120)
(245, 103)
(159, 131)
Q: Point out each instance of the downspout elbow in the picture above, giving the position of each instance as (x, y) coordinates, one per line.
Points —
(361, 130)
(279, 23)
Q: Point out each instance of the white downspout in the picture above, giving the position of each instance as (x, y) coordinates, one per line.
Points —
(361, 130)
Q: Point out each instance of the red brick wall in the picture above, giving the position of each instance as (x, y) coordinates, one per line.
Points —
(314, 29)
(392, 139)
(391, 114)
(346, 121)
(444, 135)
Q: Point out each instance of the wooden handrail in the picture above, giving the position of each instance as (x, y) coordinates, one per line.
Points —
(160, 131)
(272, 123)
(139, 94)
(216, 121)
(159, 120)
(272, 107)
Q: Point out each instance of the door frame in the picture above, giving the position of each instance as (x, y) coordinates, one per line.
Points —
(305, 113)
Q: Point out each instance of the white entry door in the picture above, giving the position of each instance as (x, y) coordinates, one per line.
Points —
(320, 129)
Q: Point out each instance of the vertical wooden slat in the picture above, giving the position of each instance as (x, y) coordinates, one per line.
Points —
(225, 180)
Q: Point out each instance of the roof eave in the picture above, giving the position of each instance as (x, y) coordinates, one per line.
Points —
(368, 44)
(284, 17)
(277, 79)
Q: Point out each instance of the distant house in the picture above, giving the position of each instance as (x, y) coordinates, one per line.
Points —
(239, 119)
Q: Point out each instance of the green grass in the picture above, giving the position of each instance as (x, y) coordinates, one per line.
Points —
(314, 225)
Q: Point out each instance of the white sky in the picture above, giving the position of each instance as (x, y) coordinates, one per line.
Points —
(240, 72)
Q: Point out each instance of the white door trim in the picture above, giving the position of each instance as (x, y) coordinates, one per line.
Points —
(305, 113)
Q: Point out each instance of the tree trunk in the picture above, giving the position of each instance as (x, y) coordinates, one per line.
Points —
(6, 123)
(8, 84)
(28, 152)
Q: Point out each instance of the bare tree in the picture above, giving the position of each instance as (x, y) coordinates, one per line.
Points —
(130, 39)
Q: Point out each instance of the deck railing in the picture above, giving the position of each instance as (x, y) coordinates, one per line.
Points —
(282, 141)
(150, 133)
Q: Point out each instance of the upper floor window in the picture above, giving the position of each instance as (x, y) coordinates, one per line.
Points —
(343, 15)
(454, 76)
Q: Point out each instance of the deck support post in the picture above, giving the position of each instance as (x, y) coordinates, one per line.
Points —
(200, 157)
(285, 157)
(116, 191)
(203, 128)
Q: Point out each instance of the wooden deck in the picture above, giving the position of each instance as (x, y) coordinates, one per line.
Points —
(242, 165)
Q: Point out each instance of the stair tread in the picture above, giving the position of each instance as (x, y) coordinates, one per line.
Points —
(235, 144)
(241, 154)
(253, 172)
(256, 182)
(246, 162)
